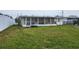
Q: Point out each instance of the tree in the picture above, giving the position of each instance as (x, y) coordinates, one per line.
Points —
(17, 20)
(1, 14)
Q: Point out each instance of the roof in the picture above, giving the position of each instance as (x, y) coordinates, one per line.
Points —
(72, 17)
(36, 16)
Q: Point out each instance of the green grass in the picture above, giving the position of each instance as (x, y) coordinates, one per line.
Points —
(66, 36)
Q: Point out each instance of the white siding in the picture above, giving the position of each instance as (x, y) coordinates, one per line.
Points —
(5, 22)
(23, 23)
(59, 21)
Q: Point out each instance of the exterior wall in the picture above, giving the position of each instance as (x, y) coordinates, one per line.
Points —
(23, 22)
(59, 21)
(5, 22)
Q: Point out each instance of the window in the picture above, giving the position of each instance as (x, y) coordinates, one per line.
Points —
(34, 20)
(58, 20)
(28, 21)
(24, 21)
(53, 21)
(47, 20)
(41, 20)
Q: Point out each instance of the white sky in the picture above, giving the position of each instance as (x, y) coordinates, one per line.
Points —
(15, 13)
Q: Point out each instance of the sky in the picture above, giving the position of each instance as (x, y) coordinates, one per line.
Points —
(15, 13)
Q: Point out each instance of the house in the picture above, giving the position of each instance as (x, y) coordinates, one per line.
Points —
(70, 20)
(28, 21)
(5, 21)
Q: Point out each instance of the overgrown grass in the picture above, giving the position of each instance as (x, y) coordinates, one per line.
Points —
(66, 36)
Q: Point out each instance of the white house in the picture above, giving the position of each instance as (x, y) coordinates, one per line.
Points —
(28, 21)
(5, 22)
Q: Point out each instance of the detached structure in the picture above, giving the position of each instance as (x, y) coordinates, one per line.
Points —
(28, 21)
(5, 21)
(70, 20)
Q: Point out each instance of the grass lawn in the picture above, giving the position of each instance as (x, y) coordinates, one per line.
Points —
(66, 36)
